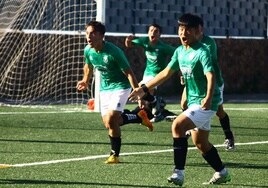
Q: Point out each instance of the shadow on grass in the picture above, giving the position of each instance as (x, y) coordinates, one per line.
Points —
(51, 182)
(75, 142)
(95, 184)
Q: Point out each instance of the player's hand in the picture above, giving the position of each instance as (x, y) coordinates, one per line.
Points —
(141, 104)
(81, 85)
(130, 38)
(205, 104)
(128, 41)
(136, 94)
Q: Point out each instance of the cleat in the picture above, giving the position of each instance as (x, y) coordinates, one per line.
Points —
(112, 160)
(144, 120)
(219, 178)
(230, 145)
(170, 118)
(5, 166)
(177, 177)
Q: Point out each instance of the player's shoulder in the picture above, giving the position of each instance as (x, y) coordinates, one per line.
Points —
(201, 49)
(165, 44)
(109, 46)
(208, 40)
(141, 39)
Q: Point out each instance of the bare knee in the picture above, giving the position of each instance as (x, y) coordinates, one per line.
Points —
(220, 112)
(180, 125)
(111, 120)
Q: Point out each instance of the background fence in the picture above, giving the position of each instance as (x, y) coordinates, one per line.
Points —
(221, 17)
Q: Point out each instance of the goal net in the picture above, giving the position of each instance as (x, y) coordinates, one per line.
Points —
(41, 51)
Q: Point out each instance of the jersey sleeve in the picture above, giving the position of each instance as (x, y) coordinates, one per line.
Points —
(174, 62)
(169, 50)
(139, 41)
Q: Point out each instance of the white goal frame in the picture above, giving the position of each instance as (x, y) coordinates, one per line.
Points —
(101, 4)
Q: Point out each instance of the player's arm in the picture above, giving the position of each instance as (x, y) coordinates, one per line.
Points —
(183, 100)
(128, 41)
(131, 77)
(206, 102)
(134, 83)
(83, 84)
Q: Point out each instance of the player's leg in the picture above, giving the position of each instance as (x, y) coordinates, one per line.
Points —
(180, 146)
(225, 124)
(112, 105)
(154, 103)
(201, 119)
(210, 154)
(110, 120)
(137, 116)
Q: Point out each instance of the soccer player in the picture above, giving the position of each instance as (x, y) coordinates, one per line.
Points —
(193, 59)
(117, 79)
(222, 115)
(156, 52)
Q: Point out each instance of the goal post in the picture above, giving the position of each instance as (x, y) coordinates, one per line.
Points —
(41, 50)
(101, 4)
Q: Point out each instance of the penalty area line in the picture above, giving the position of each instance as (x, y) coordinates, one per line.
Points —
(2, 166)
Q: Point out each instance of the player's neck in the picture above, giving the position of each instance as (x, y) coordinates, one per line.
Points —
(153, 43)
(99, 47)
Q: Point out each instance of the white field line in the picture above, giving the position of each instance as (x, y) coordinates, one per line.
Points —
(62, 111)
(236, 109)
(104, 156)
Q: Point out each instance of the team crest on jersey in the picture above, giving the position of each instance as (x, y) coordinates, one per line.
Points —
(105, 58)
(90, 58)
(191, 56)
(118, 104)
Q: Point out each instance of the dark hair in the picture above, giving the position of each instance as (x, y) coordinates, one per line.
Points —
(200, 20)
(155, 25)
(98, 26)
(189, 20)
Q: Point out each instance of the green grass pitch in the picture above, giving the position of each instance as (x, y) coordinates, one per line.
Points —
(56, 148)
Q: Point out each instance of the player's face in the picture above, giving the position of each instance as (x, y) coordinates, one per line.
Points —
(154, 34)
(94, 38)
(188, 35)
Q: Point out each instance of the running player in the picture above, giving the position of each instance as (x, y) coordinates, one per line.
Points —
(222, 115)
(117, 79)
(193, 59)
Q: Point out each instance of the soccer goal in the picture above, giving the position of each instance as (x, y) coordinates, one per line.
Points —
(41, 50)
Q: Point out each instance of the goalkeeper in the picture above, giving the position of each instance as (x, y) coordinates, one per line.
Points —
(157, 53)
